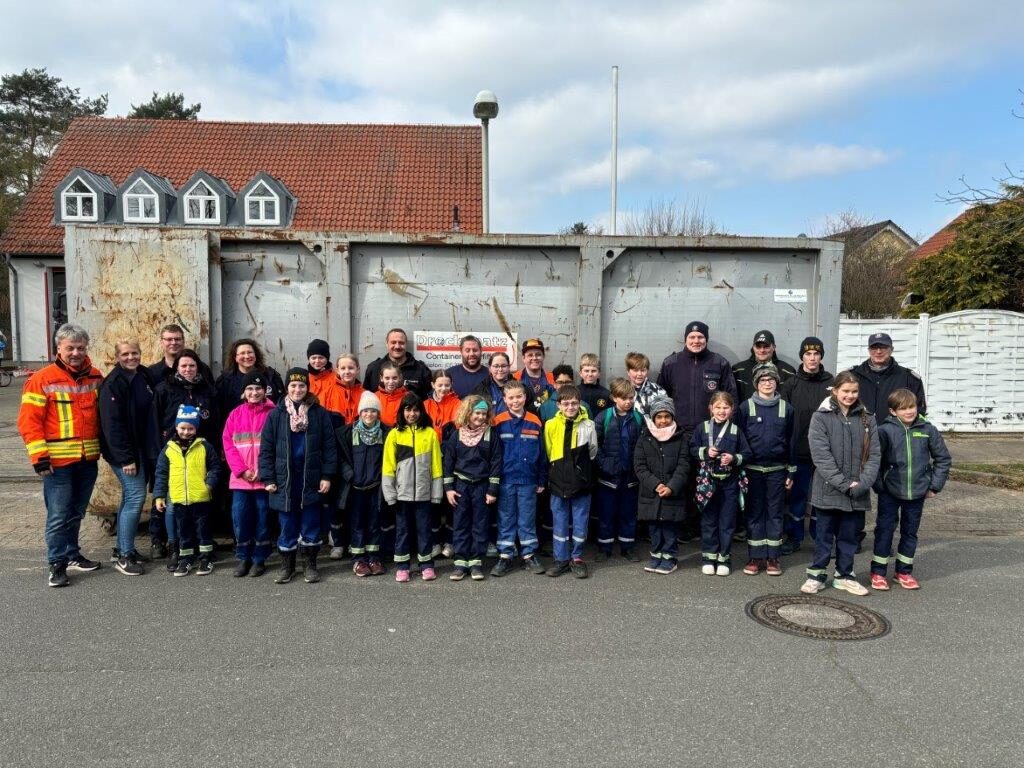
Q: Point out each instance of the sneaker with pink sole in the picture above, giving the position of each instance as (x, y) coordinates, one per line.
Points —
(402, 576)
(427, 574)
(879, 582)
(907, 581)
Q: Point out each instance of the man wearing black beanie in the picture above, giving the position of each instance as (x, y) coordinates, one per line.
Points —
(805, 391)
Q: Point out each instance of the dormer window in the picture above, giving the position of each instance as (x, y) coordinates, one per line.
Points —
(262, 206)
(140, 204)
(78, 202)
(202, 205)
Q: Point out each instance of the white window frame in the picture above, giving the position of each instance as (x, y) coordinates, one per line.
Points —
(141, 218)
(263, 200)
(190, 195)
(79, 196)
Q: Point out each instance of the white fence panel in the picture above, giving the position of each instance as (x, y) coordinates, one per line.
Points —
(972, 363)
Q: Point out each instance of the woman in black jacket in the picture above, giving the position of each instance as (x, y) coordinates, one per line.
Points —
(244, 356)
(187, 386)
(661, 462)
(128, 442)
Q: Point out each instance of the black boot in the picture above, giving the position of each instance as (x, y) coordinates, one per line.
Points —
(172, 556)
(287, 568)
(311, 574)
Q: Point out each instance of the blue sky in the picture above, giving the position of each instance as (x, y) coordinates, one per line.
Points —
(772, 115)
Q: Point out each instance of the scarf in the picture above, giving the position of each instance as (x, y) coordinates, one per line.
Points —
(298, 416)
(470, 436)
(369, 435)
(773, 400)
(661, 434)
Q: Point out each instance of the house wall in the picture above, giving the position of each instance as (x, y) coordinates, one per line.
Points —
(31, 310)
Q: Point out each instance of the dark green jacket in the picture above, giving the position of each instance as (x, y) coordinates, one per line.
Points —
(915, 459)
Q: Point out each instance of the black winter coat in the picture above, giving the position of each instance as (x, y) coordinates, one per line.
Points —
(805, 392)
(662, 462)
(875, 387)
(416, 374)
(359, 466)
(691, 379)
(173, 392)
(275, 455)
(128, 429)
(229, 389)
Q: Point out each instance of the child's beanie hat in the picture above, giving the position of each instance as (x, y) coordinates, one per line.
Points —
(369, 400)
(187, 414)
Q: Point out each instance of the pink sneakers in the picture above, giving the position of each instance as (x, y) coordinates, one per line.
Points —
(907, 581)
(879, 582)
(402, 576)
(427, 574)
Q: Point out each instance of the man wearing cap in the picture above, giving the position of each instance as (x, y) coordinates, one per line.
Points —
(880, 375)
(690, 377)
(468, 375)
(762, 351)
(806, 390)
(415, 373)
(540, 384)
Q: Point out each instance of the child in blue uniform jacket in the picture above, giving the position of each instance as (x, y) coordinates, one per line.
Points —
(720, 448)
(471, 459)
(767, 421)
(524, 470)
(616, 492)
(915, 466)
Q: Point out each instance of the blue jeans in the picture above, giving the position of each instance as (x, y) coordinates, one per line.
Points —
(300, 527)
(250, 517)
(517, 515)
(569, 519)
(907, 514)
(133, 497)
(66, 494)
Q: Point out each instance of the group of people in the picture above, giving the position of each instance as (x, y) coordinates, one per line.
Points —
(406, 466)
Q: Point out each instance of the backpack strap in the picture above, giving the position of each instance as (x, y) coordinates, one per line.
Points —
(782, 408)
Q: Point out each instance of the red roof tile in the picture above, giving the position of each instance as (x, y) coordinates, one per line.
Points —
(940, 239)
(345, 177)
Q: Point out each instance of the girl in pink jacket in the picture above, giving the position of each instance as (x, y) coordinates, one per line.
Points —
(250, 506)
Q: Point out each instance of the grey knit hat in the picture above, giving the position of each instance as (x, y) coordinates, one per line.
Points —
(766, 369)
(662, 403)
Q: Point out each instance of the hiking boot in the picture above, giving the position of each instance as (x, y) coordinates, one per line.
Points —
(377, 568)
(502, 567)
(534, 564)
(172, 556)
(58, 576)
(476, 573)
(83, 564)
(631, 556)
(852, 586)
(579, 568)
(361, 568)
(558, 568)
(184, 567)
(907, 581)
(287, 568)
(310, 573)
(879, 582)
(258, 569)
(752, 568)
(812, 586)
(205, 567)
(126, 565)
(773, 568)
(459, 573)
(428, 574)
(243, 568)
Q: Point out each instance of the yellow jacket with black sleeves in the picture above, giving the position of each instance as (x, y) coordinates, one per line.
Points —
(58, 419)
(412, 465)
(571, 448)
(186, 474)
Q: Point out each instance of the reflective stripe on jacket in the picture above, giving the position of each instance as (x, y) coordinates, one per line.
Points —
(412, 465)
(186, 476)
(59, 418)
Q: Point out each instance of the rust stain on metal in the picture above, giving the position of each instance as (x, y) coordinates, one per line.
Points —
(724, 285)
(284, 281)
(465, 268)
(550, 273)
(518, 293)
(279, 267)
(502, 321)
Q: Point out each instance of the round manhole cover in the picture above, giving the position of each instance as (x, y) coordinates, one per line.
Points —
(821, 618)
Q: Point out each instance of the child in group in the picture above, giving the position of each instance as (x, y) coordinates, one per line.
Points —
(472, 474)
(361, 457)
(562, 375)
(391, 392)
(595, 397)
(915, 464)
(615, 495)
(343, 397)
(662, 465)
(540, 385)
(411, 480)
(441, 407)
(524, 471)
(844, 449)
(298, 458)
(187, 471)
(250, 505)
(321, 376)
(720, 448)
(767, 421)
(570, 440)
(638, 366)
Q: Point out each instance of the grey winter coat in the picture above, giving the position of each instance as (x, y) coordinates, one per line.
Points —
(915, 459)
(837, 450)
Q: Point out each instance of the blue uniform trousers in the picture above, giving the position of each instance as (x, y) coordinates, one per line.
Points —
(836, 529)
(364, 523)
(616, 516)
(718, 523)
(766, 498)
(907, 514)
(412, 518)
(470, 523)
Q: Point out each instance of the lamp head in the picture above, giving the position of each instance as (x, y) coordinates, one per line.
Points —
(485, 107)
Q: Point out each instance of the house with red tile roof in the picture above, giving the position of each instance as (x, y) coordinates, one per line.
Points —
(940, 239)
(232, 176)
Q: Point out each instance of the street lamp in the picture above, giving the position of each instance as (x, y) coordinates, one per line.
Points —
(485, 109)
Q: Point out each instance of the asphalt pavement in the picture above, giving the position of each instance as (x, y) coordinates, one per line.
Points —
(624, 668)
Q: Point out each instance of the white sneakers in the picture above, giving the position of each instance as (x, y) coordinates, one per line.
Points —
(812, 586)
(722, 570)
(852, 586)
(708, 569)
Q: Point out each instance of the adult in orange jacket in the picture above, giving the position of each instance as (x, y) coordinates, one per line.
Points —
(59, 422)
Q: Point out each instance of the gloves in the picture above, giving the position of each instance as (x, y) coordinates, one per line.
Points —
(41, 466)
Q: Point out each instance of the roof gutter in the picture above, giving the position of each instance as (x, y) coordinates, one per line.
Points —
(15, 310)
